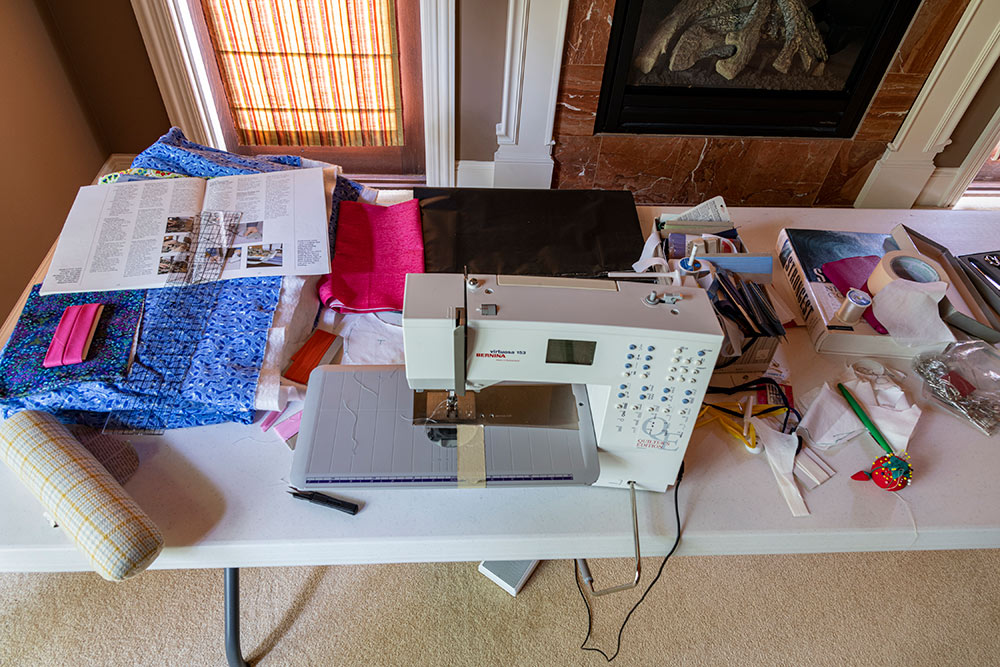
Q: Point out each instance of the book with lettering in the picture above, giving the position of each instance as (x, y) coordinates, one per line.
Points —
(802, 254)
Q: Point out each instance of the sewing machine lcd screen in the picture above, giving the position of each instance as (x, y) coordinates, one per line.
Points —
(579, 352)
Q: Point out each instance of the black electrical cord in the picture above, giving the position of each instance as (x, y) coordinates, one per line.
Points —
(579, 587)
(760, 383)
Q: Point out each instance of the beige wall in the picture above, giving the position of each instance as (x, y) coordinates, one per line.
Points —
(50, 148)
(106, 59)
(971, 127)
(482, 27)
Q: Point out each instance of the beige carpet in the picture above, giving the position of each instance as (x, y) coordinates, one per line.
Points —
(920, 608)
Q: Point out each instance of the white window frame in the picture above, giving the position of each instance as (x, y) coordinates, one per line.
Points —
(178, 65)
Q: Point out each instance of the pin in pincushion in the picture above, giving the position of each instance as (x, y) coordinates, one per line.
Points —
(892, 472)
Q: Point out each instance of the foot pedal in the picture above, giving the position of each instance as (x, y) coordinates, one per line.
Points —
(509, 575)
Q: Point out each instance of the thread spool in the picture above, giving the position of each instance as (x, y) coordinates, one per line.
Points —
(902, 265)
(689, 265)
(855, 304)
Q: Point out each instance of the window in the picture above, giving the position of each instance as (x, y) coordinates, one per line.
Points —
(336, 80)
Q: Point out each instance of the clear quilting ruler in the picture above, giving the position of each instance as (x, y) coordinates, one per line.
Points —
(173, 325)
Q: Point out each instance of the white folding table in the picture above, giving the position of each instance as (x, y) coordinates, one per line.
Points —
(219, 493)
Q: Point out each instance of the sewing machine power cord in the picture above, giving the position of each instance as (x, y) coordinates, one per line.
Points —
(590, 617)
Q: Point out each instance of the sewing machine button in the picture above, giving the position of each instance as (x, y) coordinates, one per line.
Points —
(694, 380)
(663, 399)
(695, 372)
(670, 378)
(676, 360)
(645, 388)
(649, 357)
(623, 386)
(625, 374)
(684, 412)
(636, 407)
(666, 390)
(678, 350)
(689, 361)
(642, 397)
(621, 406)
(650, 348)
(630, 356)
(685, 402)
(621, 394)
(644, 375)
(688, 392)
(673, 369)
(645, 367)
(701, 353)
(698, 362)
(632, 346)
(628, 365)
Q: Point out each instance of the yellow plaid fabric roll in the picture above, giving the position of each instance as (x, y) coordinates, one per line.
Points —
(111, 530)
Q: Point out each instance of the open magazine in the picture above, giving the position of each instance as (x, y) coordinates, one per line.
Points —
(142, 234)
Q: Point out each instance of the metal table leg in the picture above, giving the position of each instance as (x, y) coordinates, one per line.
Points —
(234, 655)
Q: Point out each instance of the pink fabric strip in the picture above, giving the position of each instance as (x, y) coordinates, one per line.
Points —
(270, 418)
(290, 426)
(75, 351)
(71, 335)
(54, 355)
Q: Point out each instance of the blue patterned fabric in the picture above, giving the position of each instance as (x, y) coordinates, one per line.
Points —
(221, 381)
(219, 385)
(175, 153)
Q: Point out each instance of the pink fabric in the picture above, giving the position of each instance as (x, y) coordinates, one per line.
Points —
(853, 272)
(270, 418)
(290, 426)
(70, 337)
(376, 247)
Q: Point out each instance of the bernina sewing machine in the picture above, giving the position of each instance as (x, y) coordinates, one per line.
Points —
(644, 354)
(515, 380)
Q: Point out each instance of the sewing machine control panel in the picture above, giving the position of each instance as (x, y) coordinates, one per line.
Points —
(657, 399)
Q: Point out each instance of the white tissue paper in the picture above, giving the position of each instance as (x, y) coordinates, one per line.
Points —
(780, 450)
(909, 312)
(830, 421)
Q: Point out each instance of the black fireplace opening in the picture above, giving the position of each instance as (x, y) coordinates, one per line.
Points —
(786, 68)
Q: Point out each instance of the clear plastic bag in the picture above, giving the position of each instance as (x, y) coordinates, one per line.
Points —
(965, 378)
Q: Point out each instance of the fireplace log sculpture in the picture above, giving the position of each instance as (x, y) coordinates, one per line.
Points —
(731, 30)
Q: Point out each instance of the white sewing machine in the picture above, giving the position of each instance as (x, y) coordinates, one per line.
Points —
(644, 352)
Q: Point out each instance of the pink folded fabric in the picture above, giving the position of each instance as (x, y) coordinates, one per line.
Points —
(853, 272)
(72, 337)
(376, 247)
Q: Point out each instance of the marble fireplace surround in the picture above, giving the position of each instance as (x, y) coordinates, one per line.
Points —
(751, 171)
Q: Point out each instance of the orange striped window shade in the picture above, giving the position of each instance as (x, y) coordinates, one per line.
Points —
(309, 72)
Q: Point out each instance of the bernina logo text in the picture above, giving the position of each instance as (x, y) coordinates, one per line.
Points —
(500, 354)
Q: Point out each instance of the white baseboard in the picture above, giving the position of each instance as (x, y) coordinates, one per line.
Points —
(939, 187)
(526, 173)
(475, 174)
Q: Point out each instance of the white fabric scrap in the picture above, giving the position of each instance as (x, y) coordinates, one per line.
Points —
(829, 421)
(369, 340)
(909, 312)
(780, 450)
(648, 257)
(290, 328)
(887, 405)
